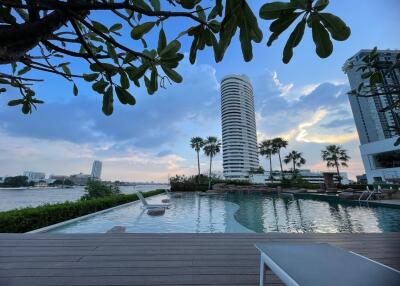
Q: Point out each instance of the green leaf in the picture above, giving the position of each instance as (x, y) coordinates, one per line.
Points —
(15, 102)
(200, 13)
(75, 90)
(100, 27)
(154, 80)
(321, 39)
(338, 29)
(124, 79)
(189, 4)
(139, 72)
(143, 5)
(215, 26)
(139, 30)
(321, 5)
(26, 108)
(301, 4)
(173, 75)
(24, 70)
(124, 96)
(112, 53)
(108, 100)
(155, 4)
(115, 27)
(274, 10)
(375, 78)
(283, 22)
(100, 86)
(171, 49)
(90, 77)
(162, 41)
(294, 39)
(129, 58)
(366, 75)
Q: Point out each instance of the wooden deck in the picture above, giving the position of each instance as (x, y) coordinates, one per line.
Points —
(160, 259)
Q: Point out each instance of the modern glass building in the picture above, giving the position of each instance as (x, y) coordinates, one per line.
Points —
(96, 170)
(239, 133)
(380, 157)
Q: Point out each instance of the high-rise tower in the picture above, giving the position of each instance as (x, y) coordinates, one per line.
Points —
(375, 128)
(96, 170)
(239, 134)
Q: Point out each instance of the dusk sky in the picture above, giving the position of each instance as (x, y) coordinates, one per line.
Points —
(304, 101)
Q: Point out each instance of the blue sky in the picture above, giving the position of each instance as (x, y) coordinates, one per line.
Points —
(304, 101)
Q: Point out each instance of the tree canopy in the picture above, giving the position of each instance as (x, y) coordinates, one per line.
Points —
(47, 35)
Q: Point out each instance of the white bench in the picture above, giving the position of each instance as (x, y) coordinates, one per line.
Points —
(321, 264)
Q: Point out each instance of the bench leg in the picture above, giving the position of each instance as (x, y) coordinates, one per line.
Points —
(262, 272)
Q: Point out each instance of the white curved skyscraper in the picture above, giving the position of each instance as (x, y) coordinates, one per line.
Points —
(239, 133)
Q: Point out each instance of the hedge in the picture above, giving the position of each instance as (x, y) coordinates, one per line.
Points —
(27, 219)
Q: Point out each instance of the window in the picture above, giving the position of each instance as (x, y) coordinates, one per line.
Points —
(386, 160)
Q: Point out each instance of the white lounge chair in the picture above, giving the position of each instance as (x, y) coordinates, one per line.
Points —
(315, 264)
(146, 205)
(171, 195)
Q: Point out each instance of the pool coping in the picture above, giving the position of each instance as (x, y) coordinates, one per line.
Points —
(52, 226)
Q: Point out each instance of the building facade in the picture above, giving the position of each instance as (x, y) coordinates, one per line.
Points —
(307, 175)
(34, 176)
(239, 133)
(96, 170)
(380, 157)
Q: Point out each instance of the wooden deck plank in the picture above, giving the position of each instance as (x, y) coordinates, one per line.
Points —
(161, 259)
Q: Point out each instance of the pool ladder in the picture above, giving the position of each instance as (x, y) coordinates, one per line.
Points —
(369, 193)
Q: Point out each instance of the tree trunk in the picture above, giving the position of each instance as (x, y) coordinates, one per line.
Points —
(270, 169)
(198, 168)
(280, 163)
(209, 175)
(338, 173)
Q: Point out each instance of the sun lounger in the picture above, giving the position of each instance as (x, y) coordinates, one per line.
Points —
(146, 205)
(316, 264)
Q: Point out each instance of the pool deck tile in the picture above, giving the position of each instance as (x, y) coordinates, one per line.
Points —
(161, 259)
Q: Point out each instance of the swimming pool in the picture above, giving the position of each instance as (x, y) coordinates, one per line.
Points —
(242, 212)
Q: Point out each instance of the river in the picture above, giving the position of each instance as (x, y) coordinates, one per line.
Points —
(19, 198)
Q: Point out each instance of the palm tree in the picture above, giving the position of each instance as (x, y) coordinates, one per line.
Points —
(279, 143)
(296, 158)
(211, 147)
(267, 149)
(197, 143)
(335, 155)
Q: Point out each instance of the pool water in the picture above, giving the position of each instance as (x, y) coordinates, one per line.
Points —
(242, 212)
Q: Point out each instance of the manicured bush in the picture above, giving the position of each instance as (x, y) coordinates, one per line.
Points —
(27, 219)
(98, 189)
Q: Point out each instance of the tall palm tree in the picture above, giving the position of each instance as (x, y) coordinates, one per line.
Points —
(279, 143)
(296, 158)
(267, 149)
(197, 143)
(211, 147)
(335, 155)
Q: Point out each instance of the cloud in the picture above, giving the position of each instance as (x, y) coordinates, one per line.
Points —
(339, 123)
(153, 121)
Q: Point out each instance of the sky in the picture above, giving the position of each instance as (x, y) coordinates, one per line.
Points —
(304, 101)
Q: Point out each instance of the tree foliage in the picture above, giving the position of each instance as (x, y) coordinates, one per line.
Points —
(47, 35)
(335, 156)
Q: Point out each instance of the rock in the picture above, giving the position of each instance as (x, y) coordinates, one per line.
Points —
(117, 229)
(156, 212)
(166, 201)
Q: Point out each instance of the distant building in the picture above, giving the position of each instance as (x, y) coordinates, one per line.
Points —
(58, 177)
(239, 134)
(34, 176)
(80, 179)
(362, 179)
(380, 157)
(96, 170)
(306, 174)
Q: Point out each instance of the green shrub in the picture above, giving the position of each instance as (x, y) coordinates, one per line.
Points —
(98, 189)
(27, 219)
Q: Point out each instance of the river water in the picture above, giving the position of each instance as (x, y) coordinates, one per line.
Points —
(19, 198)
